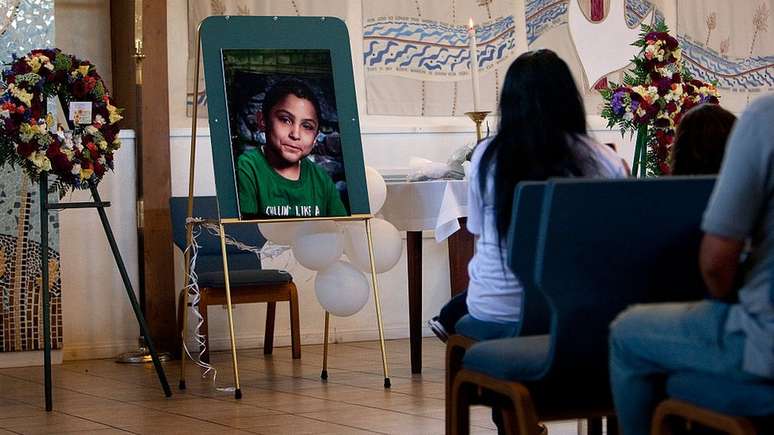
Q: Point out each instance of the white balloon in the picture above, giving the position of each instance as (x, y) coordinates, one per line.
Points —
(314, 227)
(387, 244)
(281, 233)
(341, 289)
(377, 189)
(317, 250)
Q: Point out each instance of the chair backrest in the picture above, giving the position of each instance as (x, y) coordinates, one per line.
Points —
(522, 241)
(607, 244)
(209, 256)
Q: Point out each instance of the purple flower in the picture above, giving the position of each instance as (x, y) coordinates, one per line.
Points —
(617, 103)
(635, 105)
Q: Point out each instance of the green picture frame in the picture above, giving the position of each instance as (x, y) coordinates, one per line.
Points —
(219, 33)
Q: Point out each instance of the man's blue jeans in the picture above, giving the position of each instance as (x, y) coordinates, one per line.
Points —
(647, 342)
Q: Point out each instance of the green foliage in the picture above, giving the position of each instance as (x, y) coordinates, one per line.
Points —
(62, 62)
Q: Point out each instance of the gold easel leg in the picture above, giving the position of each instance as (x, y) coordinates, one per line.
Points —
(324, 373)
(238, 390)
(191, 167)
(377, 302)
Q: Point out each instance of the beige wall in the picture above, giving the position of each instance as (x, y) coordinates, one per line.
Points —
(82, 28)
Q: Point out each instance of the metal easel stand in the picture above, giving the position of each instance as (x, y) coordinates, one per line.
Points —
(222, 234)
(100, 206)
(377, 303)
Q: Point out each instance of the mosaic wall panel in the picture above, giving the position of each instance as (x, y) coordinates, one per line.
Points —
(24, 25)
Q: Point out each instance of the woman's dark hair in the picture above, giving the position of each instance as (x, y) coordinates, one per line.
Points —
(700, 141)
(286, 87)
(541, 113)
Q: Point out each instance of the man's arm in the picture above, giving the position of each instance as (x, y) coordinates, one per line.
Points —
(719, 262)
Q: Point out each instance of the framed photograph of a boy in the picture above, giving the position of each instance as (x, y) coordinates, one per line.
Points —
(280, 147)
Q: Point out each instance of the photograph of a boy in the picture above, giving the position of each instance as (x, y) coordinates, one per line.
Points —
(276, 179)
(258, 81)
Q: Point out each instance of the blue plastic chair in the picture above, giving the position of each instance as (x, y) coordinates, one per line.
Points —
(603, 245)
(250, 283)
(535, 315)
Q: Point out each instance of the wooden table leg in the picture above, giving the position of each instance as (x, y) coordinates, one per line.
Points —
(414, 262)
(460, 252)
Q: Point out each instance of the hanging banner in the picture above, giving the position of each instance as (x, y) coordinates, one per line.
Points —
(417, 54)
(729, 44)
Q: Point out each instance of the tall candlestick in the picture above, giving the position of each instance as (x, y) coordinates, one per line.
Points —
(474, 65)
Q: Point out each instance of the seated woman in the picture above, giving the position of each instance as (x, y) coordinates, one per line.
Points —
(700, 141)
(278, 180)
(542, 134)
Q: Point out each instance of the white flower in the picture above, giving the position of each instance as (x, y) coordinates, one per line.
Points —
(91, 130)
(76, 170)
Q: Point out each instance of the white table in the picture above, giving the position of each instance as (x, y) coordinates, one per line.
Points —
(439, 205)
(427, 205)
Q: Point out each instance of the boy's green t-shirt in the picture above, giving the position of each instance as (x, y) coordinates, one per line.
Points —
(265, 193)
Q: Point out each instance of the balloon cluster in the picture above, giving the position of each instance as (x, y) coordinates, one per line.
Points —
(342, 287)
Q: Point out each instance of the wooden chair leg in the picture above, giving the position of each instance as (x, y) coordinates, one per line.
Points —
(459, 423)
(205, 328)
(455, 351)
(660, 424)
(295, 329)
(268, 340)
(523, 408)
(509, 419)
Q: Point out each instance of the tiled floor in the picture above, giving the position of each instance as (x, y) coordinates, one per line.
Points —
(279, 396)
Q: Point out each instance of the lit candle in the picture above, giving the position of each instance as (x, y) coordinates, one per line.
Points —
(474, 64)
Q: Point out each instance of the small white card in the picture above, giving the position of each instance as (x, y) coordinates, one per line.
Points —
(80, 112)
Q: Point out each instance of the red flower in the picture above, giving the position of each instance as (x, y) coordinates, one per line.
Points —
(59, 161)
(93, 152)
(79, 89)
(99, 169)
(24, 149)
(89, 83)
(21, 67)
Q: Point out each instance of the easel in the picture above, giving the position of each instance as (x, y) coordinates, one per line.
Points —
(222, 234)
(100, 206)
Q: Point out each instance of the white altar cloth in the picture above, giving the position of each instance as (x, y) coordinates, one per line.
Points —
(427, 205)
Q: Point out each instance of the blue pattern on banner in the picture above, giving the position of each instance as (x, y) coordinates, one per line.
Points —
(435, 48)
(754, 73)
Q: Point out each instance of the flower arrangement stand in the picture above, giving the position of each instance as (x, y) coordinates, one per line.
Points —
(100, 206)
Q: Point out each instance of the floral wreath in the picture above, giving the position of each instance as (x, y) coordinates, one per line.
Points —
(79, 152)
(653, 99)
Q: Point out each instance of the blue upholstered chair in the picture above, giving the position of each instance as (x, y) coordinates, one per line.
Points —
(603, 245)
(250, 283)
(737, 408)
(522, 236)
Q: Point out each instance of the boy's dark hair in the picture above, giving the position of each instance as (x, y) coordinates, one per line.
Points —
(286, 87)
(700, 140)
